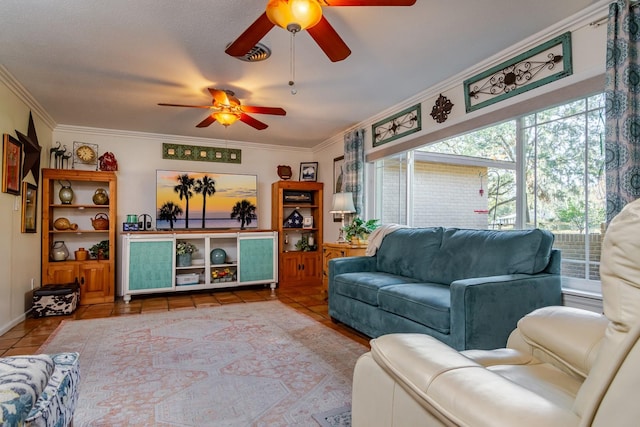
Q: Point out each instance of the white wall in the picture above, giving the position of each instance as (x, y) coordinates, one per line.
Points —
(19, 252)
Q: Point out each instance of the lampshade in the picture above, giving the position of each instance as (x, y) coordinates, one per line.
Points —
(294, 15)
(226, 118)
(343, 203)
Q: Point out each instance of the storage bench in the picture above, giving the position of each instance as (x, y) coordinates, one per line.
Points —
(53, 300)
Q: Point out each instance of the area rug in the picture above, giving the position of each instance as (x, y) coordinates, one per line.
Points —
(254, 364)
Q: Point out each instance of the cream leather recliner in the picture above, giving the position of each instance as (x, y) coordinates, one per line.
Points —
(562, 366)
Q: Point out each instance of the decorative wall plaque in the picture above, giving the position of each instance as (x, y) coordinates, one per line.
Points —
(546, 63)
(441, 109)
(201, 154)
(401, 124)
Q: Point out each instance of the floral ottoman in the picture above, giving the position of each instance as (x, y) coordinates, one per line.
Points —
(39, 390)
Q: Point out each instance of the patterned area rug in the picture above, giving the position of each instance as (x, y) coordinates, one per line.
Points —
(255, 364)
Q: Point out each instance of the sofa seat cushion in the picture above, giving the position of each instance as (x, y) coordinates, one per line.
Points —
(364, 286)
(426, 303)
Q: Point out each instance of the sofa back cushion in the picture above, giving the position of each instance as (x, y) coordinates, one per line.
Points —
(466, 254)
(408, 251)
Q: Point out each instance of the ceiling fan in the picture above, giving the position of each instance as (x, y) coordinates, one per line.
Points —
(227, 109)
(298, 15)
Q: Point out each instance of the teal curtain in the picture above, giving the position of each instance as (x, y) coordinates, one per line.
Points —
(622, 90)
(354, 167)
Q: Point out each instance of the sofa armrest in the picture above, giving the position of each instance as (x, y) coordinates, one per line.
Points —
(354, 264)
(465, 393)
(485, 310)
(566, 337)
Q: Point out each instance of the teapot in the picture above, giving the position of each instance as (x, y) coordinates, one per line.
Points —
(100, 221)
(100, 197)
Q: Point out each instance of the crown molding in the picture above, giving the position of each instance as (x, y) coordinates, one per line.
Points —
(117, 133)
(25, 96)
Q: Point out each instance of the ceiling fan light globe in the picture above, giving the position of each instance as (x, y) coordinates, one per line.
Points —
(294, 15)
(226, 118)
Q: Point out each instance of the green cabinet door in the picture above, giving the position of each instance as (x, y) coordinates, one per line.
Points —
(256, 260)
(150, 265)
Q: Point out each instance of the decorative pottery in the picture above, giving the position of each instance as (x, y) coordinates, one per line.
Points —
(218, 256)
(66, 193)
(100, 221)
(59, 251)
(100, 197)
(63, 223)
(81, 254)
(183, 260)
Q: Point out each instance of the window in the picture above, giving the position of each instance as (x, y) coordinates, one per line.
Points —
(472, 181)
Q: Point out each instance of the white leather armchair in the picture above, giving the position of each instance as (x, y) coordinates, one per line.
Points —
(562, 366)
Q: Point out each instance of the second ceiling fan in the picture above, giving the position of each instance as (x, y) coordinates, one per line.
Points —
(298, 15)
(226, 109)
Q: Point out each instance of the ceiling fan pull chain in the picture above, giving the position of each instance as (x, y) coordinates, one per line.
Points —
(292, 65)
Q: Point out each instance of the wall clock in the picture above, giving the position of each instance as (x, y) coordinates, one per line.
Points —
(85, 154)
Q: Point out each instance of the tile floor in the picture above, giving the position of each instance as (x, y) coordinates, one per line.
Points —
(29, 335)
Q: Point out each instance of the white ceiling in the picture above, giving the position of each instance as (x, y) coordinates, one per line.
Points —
(106, 64)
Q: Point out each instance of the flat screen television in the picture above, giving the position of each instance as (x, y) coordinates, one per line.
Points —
(205, 200)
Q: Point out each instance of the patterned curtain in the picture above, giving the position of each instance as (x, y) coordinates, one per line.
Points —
(354, 167)
(622, 90)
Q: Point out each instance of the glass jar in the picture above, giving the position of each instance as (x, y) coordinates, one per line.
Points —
(59, 251)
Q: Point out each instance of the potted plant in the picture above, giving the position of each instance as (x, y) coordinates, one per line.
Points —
(360, 229)
(100, 250)
(183, 253)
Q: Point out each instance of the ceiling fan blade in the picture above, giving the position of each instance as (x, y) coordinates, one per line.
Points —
(219, 96)
(329, 40)
(263, 110)
(251, 36)
(182, 105)
(368, 2)
(253, 122)
(206, 122)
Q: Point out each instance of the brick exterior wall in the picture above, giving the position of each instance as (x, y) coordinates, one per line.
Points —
(444, 195)
(573, 248)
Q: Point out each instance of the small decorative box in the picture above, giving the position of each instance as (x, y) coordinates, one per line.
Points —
(187, 279)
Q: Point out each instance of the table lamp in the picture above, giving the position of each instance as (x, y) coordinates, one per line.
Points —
(342, 204)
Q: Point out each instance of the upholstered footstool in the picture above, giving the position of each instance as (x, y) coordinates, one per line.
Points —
(55, 300)
(39, 390)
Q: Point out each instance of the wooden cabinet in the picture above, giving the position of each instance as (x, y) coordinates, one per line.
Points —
(337, 250)
(96, 277)
(149, 261)
(299, 268)
(297, 216)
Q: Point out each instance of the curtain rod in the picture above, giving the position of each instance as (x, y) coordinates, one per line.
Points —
(603, 20)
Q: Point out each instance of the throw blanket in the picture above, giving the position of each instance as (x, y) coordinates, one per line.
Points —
(375, 238)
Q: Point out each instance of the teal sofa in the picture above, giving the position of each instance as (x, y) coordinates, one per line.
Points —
(467, 288)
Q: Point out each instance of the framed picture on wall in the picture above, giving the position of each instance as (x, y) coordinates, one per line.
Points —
(338, 181)
(29, 207)
(11, 165)
(309, 171)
